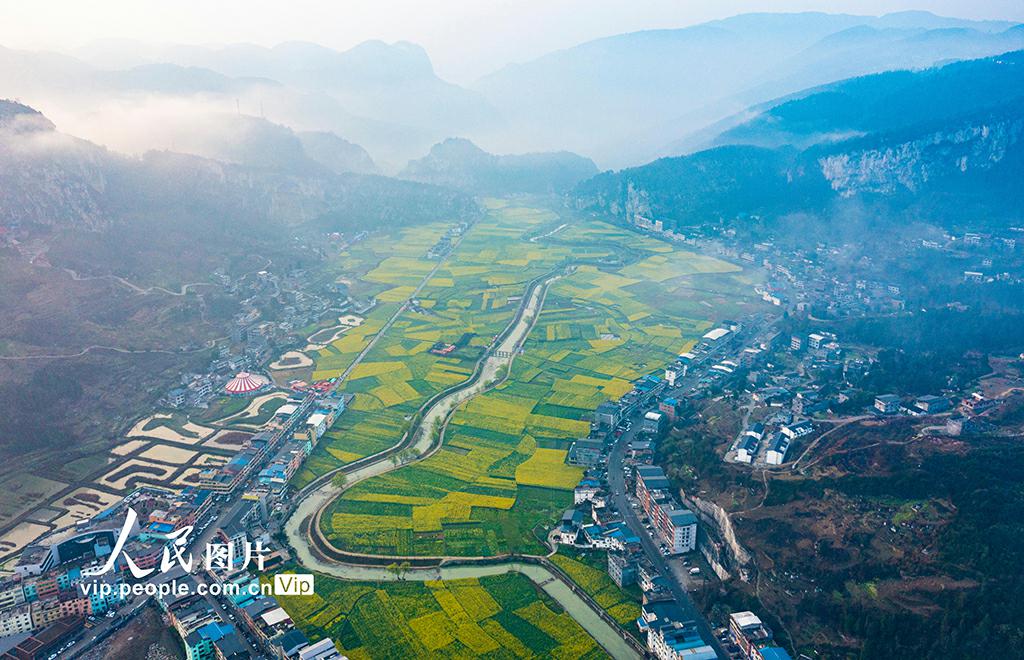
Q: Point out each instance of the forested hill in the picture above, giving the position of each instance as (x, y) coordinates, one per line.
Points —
(460, 164)
(884, 102)
(956, 159)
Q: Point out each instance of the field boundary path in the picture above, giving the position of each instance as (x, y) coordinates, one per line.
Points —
(313, 550)
(312, 501)
(425, 437)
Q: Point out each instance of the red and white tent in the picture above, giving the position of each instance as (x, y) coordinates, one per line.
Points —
(245, 383)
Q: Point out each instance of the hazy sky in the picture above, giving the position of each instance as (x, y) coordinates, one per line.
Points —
(465, 38)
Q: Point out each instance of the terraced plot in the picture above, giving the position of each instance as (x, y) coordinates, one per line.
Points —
(81, 504)
(501, 475)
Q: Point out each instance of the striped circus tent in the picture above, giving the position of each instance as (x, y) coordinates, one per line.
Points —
(245, 383)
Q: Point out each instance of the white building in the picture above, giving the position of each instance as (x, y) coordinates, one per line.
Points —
(317, 424)
(716, 335)
(818, 340)
(653, 422)
(595, 537)
(586, 490)
(11, 594)
(17, 620)
(746, 450)
(670, 634)
(322, 650)
(682, 527)
(798, 430)
(776, 453)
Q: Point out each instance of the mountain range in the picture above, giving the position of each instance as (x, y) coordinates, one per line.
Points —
(948, 142)
(629, 98)
(385, 97)
(621, 100)
(52, 179)
(870, 104)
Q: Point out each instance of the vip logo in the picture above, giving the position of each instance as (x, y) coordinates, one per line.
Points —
(293, 585)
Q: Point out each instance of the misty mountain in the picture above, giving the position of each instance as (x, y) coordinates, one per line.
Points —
(883, 102)
(25, 73)
(394, 83)
(75, 217)
(866, 49)
(19, 118)
(336, 153)
(48, 178)
(961, 171)
(243, 140)
(258, 143)
(460, 164)
(621, 100)
(386, 98)
(625, 97)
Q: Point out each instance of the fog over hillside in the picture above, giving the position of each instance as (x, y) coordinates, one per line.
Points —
(625, 99)
(620, 100)
(541, 329)
(947, 141)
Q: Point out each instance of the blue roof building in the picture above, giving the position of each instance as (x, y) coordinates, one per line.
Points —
(670, 634)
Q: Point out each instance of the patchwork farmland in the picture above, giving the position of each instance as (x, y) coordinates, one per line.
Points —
(500, 476)
(590, 573)
(501, 616)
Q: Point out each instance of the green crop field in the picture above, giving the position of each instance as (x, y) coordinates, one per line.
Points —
(501, 476)
(465, 303)
(589, 571)
(503, 616)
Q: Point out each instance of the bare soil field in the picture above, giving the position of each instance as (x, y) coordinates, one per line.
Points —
(128, 447)
(145, 638)
(230, 440)
(292, 360)
(168, 454)
(83, 503)
(135, 471)
(155, 426)
(20, 536)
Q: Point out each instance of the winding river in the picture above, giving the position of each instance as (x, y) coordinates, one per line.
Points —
(305, 518)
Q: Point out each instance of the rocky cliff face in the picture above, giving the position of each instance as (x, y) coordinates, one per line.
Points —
(45, 177)
(911, 165)
(973, 160)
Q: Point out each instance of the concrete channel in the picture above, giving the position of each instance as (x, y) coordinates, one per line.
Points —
(312, 502)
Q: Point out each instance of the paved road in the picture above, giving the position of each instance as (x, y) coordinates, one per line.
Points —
(617, 485)
(398, 313)
(105, 627)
